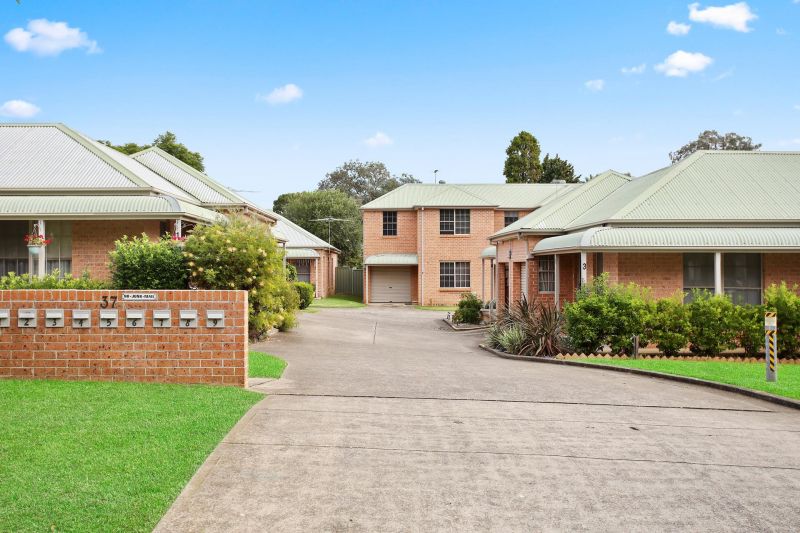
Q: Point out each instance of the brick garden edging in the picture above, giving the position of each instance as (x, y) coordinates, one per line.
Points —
(465, 327)
(144, 349)
(780, 400)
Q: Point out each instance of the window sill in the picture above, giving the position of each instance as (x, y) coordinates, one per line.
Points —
(458, 235)
(456, 289)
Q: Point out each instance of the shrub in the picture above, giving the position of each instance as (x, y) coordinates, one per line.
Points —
(749, 328)
(541, 326)
(305, 291)
(469, 310)
(512, 339)
(784, 300)
(50, 281)
(241, 254)
(668, 325)
(291, 272)
(493, 336)
(139, 263)
(607, 314)
(712, 323)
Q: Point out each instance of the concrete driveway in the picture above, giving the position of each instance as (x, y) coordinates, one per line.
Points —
(387, 421)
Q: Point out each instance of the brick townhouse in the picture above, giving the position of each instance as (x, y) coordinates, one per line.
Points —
(84, 195)
(427, 244)
(724, 221)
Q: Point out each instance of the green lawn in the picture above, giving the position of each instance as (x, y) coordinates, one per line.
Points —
(337, 301)
(264, 365)
(747, 375)
(93, 456)
(436, 307)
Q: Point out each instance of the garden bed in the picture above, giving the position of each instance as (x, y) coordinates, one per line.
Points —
(465, 327)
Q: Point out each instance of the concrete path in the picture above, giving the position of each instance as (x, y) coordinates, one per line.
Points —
(386, 420)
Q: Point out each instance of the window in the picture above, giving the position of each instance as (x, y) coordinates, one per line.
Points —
(547, 273)
(698, 273)
(59, 251)
(509, 217)
(598, 264)
(390, 222)
(303, 267)
(741, 274)
(454, 274)
(13, 251)
(454, 221)
(523, 279)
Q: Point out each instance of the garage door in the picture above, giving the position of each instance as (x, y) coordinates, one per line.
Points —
(390, 284)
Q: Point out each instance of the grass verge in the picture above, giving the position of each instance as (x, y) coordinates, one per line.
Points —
(746, 375)
(337, 301)
(95, 456)
(264, 365)
(436, 307)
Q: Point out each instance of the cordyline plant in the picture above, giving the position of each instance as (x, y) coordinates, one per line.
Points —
(242, 254)
(539, 326)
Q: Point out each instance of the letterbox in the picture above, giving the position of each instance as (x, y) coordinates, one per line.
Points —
(81, 318)
(134, 318)
(108, 318)
(215, 319)
(5, 318)
(162, 318)
(26, 318)
(54, 318)
(188, 318)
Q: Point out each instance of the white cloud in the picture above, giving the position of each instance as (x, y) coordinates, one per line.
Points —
(797, 106)
(46, 38)
(379, 139)
(282, 95)
(680, 64)
(727, 74)
(678, 28)
(595, 85)
(638, 69)
(19, 109)
(732, 17)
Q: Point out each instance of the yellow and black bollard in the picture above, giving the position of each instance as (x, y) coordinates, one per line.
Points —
(771, 344)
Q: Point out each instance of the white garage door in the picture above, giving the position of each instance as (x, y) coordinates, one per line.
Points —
(390, 284)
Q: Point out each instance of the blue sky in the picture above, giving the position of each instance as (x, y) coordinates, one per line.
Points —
(446, 84)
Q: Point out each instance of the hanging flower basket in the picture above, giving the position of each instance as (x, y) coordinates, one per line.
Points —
(36, 243)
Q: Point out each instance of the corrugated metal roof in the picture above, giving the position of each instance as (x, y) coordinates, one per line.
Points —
(709, 186)
(115, 206)
(301, 253)
(53, 156)
(561, 211)
(499, 195)
(391, 260)
(294, 235)
(672, 238)
(187, 178)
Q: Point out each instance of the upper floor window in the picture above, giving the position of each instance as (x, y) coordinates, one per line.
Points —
(454, 221)
(547, 273)
(509, 217)
(390, 222)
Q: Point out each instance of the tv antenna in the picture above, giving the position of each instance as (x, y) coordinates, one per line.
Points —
(330, 220)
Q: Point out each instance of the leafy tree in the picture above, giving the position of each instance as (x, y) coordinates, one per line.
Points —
(555, 168)
(305, 208)
(713, 140)
(168, 142)
(522, 160)
(364, 181)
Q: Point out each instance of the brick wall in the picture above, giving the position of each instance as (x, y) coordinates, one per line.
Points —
(323, 272)
(781, 267)
(93, 239)
(169, 355)
(662, 272)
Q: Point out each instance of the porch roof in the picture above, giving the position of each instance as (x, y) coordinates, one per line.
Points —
(391, 260)
(672, 239)
(301, 253)
(489, 251)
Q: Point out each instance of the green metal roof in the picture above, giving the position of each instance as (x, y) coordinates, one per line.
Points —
(708, 187)
(102, 207)
(391, 260)
(673, 239)
(489, 251)
(561, 211)
(301, 253)
(495, 195)
(296, 236)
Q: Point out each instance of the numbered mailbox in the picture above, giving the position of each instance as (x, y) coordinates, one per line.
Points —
(134, 318)
(108, 318)
(5, 318)
(188, 318)
(162, 318)
(54, 318)
(81, 318)
(215, 319)
(26, 318)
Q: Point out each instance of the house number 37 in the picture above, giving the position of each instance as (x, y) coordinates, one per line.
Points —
(104, 302)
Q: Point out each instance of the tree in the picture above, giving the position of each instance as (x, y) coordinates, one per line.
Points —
(713, 140)
(168, 142)
(305, 208)
(522, 160)
(555, 168)
(364, 181)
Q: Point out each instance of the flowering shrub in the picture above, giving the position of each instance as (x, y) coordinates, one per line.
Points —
(50, 281)
(241, 254)
(141, 264)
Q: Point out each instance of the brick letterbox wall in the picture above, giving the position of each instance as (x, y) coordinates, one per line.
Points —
(59, 345)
